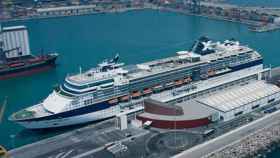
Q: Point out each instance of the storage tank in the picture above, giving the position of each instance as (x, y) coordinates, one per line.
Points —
(15, 38)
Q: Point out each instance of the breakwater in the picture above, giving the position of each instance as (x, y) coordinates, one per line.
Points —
(254, 145)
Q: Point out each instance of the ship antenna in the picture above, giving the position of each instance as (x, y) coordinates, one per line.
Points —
(81, 72)
(270, 75)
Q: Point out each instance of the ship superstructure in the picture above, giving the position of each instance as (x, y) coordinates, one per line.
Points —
(101, 92)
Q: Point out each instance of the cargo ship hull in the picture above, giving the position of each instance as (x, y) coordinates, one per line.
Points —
(28, 68)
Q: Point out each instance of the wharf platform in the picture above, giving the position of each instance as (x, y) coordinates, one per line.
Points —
(94, 140)
(209, 148)
(219, 143)
(79, 143)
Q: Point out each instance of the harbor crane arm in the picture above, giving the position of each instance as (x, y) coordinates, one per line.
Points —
(2, 110)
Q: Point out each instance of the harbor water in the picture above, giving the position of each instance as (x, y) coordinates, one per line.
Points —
(83, 41)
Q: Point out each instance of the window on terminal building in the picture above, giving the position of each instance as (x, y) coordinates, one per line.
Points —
(238, 113)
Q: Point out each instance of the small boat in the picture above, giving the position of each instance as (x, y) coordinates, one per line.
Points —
(178, 82)
(187, 80)
(211, 72)
(169, 84)
(136, 94)
(124, 98)
(113, 101)
(147, 91)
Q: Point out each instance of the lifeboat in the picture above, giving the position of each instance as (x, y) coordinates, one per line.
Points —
(147, 91)
(169, 84)
(125, 98)
(113, 101)
(157, 88)
(178, 82)
(211, 72)
(188, 80)
(136, 94)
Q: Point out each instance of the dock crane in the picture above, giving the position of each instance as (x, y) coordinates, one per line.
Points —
(2, 109)
(3, 152)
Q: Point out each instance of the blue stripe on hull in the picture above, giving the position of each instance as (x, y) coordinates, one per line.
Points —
(246, 65)
(76, 112)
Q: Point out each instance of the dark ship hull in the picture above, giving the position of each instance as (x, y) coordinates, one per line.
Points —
(26, 65)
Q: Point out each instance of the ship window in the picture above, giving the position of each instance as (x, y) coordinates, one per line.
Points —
(238, 113)
(75, 92)
(271, 100)
(89, 85)
(256, 106)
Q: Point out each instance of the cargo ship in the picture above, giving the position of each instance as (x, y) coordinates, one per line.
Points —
(104, 91)
(15, 57)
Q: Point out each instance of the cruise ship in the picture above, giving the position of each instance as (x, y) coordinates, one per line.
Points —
(103, 92)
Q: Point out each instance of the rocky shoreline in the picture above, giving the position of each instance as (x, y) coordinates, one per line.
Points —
(255, 145)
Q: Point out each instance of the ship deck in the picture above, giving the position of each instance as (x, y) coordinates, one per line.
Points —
(166, 64)
(187, 90)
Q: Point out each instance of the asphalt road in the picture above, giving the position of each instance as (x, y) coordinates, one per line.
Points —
(78, 143)
(229, 138)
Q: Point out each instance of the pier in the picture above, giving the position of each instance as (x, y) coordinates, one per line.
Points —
(228, 145)
(258, 19)
(247, 134)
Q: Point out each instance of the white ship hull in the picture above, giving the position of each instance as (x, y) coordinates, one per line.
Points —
(79, 119)
(69, 121)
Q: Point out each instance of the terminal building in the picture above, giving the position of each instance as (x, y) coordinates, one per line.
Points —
(221, 98)
(182, 115)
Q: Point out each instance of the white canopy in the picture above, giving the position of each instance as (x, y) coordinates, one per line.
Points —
(55, 103)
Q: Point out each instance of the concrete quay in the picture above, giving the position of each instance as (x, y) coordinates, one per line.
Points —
(235, 136)
(252, 144)
(79, 143)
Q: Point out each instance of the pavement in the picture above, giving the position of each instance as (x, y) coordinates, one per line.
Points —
(228, 138)
(78, 143)
(91, 141)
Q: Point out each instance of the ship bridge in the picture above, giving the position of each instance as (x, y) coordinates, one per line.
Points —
(55, 103)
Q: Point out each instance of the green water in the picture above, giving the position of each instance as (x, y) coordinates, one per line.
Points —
(85, 40)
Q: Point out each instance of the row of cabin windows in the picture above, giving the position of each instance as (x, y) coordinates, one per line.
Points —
(218, 88)
(271, 100)
(170, 76)
(151, 82)
(88, 101)
(89, 85)
(184, 71)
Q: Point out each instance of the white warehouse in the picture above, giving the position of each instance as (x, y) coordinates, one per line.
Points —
(242, 99)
